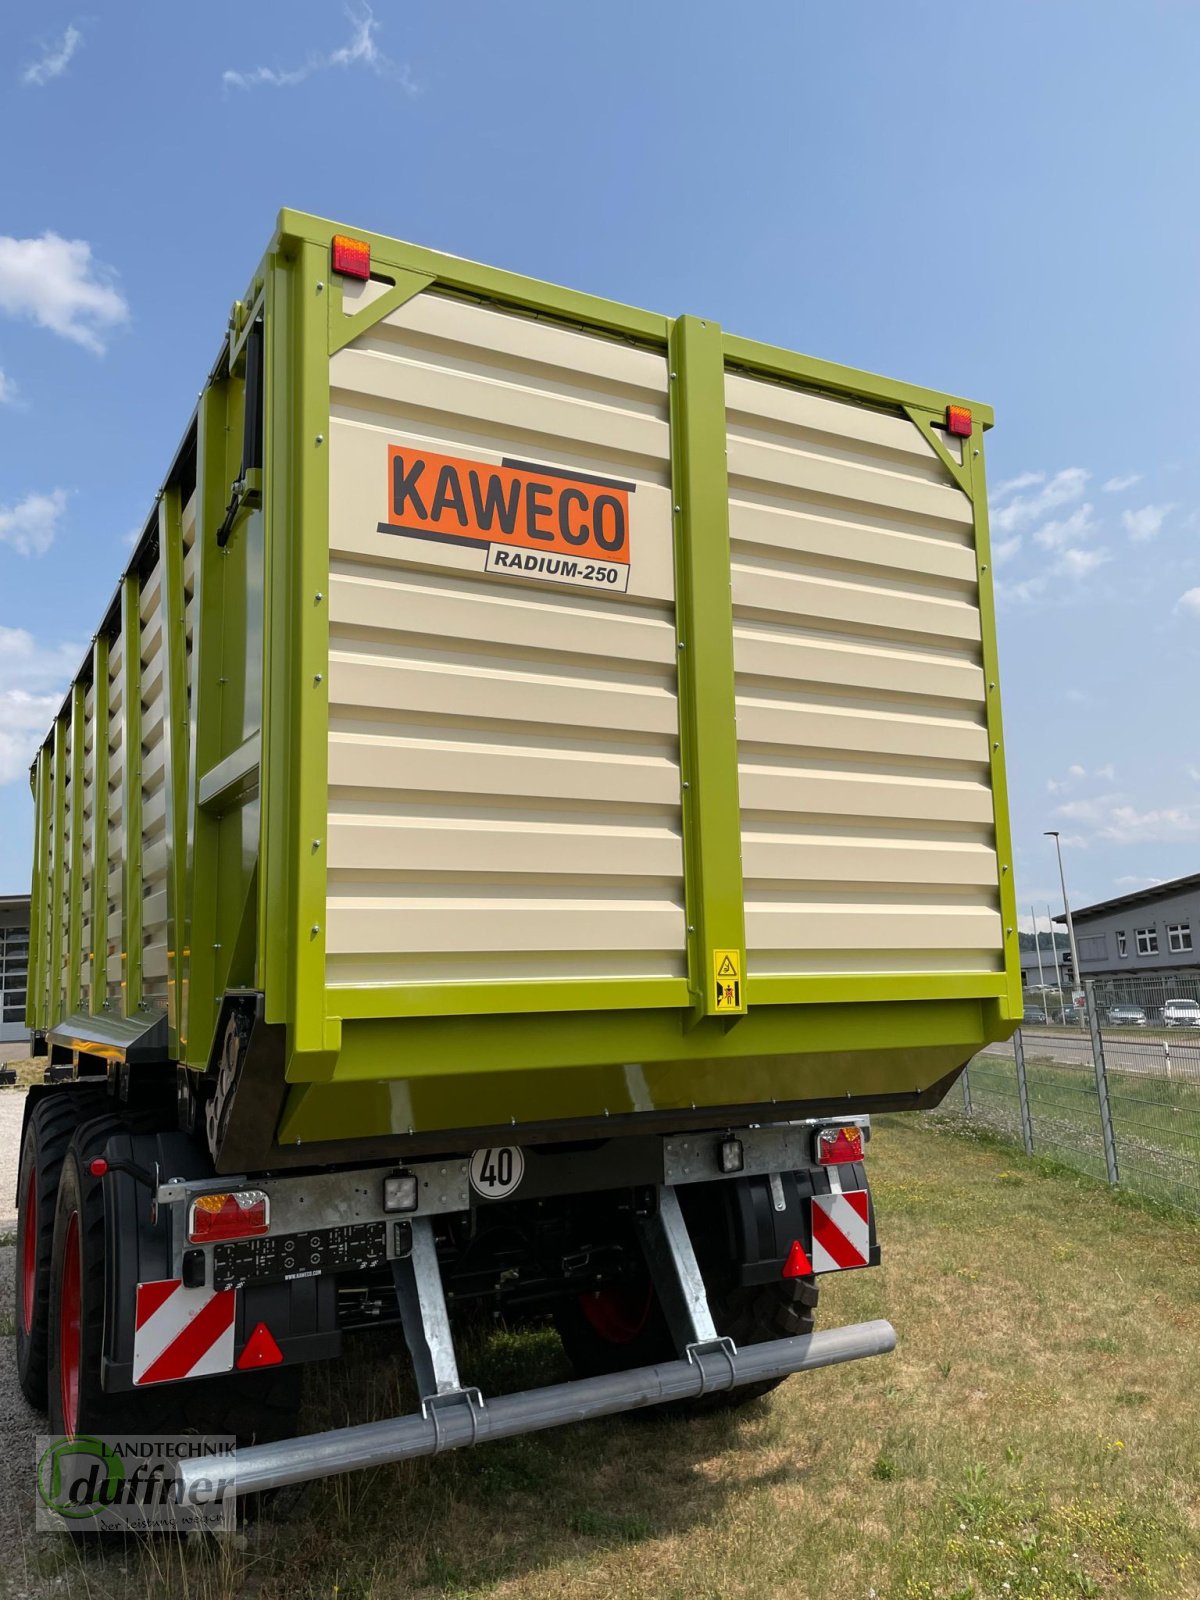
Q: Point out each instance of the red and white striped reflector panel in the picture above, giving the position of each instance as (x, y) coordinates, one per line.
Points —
(841, 1232)
(182, 1333)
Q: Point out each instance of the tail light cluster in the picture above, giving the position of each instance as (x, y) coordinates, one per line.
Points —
(838, 1147)
(237, 1214)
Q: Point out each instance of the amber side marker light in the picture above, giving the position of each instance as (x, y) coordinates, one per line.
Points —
(958, 421)
(351, 257)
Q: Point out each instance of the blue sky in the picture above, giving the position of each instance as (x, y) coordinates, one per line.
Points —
(995, 200)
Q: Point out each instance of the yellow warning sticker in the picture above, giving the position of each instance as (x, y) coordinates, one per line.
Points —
(727, 979)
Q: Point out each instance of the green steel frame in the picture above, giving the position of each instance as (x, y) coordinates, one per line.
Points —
(247, 808)
(101, 735)
(75, 860)
(131, 793)
(175, 753)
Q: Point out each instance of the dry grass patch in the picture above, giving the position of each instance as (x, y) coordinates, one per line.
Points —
(1036, 1434)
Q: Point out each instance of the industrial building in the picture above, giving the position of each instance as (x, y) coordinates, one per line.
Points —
(14, 966)
(1153, 932)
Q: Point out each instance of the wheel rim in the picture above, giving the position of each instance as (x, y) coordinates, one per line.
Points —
(618, 1314)
(29, 1228)
(68, 1329)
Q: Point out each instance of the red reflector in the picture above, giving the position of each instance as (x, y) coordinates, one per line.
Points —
(958, 421)
(353, 257)
(838, 1145)
(244, 1214)
(98, 1167)
(797, 1264)
(261, 1350)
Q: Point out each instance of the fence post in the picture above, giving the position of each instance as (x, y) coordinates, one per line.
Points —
(1023, 1092)
(1106, 1127)
(966, 1083)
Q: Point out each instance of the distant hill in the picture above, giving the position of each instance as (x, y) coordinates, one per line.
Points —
(1029, 943)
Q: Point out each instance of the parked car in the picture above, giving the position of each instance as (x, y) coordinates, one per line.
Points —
(1034, 1015)
(1125, 1017)
(1068, 1017)
(1181, 1014)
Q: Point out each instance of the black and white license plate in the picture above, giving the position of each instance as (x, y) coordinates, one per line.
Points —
(303, 1254)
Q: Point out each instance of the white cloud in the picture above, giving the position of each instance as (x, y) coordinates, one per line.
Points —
(30, 525)
(361, 50)
(1067, 530)
(1131, 881)
(1161, 825)
(1021, 510)
(1094, 810)
(1076, 563)
(8, 390)
(1107, 772)
(1077, 697)
(1077, 772)
(1145, 523)
(54, 61)
(1110, 818)
(55, 283)
(1024, 480)
(1027, 590)
(1189, 602)
(1115, 485)
(33, 681)
(1005, 550)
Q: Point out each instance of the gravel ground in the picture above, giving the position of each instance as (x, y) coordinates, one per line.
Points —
(12, 1102)
(14, 1052)
(19, 1423)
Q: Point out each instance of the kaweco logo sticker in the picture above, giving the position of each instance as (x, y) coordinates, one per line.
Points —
(525, 520)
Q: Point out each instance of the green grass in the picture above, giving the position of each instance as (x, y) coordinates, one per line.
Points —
(1036, 1434)
(1156, 1120)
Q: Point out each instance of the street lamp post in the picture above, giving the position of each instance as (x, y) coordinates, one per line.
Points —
(1037, 945)
(1054, 953)
(1052, 833)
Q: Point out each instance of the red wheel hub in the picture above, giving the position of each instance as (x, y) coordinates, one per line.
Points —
(618, 1314)
(29, 1228)
(69, 1353)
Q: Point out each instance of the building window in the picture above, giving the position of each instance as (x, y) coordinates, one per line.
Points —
(1147, 941)
(1179, 937)
(1122, 943)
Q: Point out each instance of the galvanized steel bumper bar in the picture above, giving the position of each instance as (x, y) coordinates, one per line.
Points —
(464, 1419)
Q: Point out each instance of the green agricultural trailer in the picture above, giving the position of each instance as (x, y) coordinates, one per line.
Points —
(537, 789)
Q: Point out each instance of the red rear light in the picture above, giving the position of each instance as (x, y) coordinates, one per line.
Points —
(958, 421)
(836, 1146)
(98, 1166)
(243, 1214)
(353, 258)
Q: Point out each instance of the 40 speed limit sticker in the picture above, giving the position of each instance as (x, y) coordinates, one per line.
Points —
(497, 1170)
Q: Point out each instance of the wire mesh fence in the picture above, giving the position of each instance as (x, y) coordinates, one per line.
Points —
(1116, 1097)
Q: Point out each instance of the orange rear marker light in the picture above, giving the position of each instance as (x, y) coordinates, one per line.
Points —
(958, 421)
(352, 257)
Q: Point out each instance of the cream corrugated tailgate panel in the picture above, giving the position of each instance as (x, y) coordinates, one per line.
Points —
(503, 758)
(867, 816)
